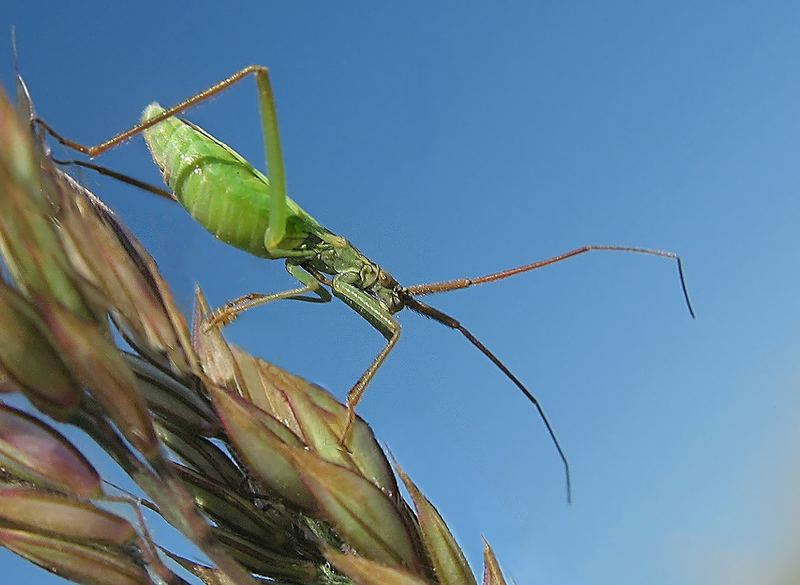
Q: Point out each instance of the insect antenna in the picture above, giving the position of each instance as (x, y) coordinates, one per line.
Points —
(458, 283)
(448, 321)
(118, 176)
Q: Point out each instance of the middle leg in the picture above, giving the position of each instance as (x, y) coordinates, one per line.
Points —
(381, 319)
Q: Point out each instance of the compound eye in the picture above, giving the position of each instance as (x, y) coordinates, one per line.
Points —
(385, 279)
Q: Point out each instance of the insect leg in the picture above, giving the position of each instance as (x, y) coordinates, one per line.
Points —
(374, 312)
(117, 139)
(275, 167)
(230, 310)
(119, 177)
(458, 283)
(146, 545)
(269, 128)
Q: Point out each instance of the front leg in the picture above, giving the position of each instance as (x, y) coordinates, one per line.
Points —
(232, 309)
(381, 319)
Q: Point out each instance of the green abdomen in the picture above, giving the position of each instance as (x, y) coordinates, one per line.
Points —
(215, 185)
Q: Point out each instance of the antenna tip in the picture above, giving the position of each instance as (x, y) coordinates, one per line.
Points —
(568, 478)
(684, 288)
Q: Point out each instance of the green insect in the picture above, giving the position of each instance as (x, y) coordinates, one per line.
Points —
(251, 211)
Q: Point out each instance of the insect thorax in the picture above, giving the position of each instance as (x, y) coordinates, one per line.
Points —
(348, 264)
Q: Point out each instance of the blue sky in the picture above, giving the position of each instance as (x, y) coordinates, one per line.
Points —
(455, 139)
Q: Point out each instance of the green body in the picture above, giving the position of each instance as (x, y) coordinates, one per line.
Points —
(220, 189)
(234, 201)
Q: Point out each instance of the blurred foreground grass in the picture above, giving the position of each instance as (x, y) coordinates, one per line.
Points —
(239, 455)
